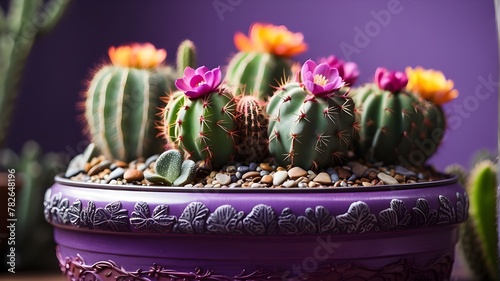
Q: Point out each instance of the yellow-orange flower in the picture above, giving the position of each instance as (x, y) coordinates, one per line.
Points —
(137, 55)
(268, 38)
(431, 85)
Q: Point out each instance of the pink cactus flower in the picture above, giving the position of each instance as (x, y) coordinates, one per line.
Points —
(320, 80)
(200, 82)
(393, 81)
(349, 71)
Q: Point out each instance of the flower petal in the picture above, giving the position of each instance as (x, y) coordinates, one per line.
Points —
(181, 85)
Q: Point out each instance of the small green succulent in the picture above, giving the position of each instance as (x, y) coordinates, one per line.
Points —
(170, 169)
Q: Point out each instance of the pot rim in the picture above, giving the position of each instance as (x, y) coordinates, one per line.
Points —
(451, 179)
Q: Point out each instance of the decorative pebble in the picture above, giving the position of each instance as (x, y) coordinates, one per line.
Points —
(343, 184)
(251, 174)
(334, 177)
(231, 169)
(223, 178)
(133, 175)
(289, 183)
(367, 184)
(238, 175)
(255, 185)
(142, 167)
(151, 159)
(358, 169)
(352, 177)
(267, 179)
(243, 169)
(343, 173)
(297, 172)
(116, 173)
(400, 178)
(323, 178)
(263, 173)
(121, 164)
(266, 167)
(99, 167)
(280, 177)
(387, 179)
(252, 166)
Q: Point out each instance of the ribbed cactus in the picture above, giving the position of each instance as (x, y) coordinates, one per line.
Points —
(479, 235)
(397, 126)
(264, 59)
(252, 122)
(200, 120)
(310, 126)
(122, 101)
(186, 56)
(19, 26)
(257, 73)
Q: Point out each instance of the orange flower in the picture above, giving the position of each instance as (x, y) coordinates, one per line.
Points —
(268, 38)
(431, 85)
(137, 55)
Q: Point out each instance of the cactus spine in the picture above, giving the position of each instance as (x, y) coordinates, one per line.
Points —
(254, 72)
(252, 122)
(396, 128)
(307, 130)
(204, 128)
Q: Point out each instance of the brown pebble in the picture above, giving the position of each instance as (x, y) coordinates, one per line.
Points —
(87, 167)
(280, 169)
(99, 168)
(133, 175)
(251, 174)
(367, 184)
(372, 175)
(400, 178)
(323, 178)
(343, 173)
(267, 179)
(297, 172)
(266, 167)
(121, 164)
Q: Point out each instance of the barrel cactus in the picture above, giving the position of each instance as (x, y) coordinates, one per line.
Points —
(264, 59)
(123, 97)
(252, 121)
(200, 118)
(398, 124)
(310, 123)
(122, 100)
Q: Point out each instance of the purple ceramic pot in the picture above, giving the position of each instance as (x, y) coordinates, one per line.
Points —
(404, 232)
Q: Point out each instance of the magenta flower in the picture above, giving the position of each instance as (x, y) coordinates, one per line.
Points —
(347, 70)
(393, 81)
(321, 80)
(199, 82)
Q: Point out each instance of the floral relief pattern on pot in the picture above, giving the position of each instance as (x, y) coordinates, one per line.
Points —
(261, 220)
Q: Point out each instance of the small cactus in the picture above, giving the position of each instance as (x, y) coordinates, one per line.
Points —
(310, 125)
(170, 169)
(200, 119)
(397, 126)
(186, 56)
(264, 59)
(252, 122)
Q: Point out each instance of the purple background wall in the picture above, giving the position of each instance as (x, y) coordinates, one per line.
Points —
(457, 37)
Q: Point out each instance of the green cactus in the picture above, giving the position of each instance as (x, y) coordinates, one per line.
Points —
(252, 122)
(396, 128)
(186, 56)
(479, 235)
(307, 130)
(19, 27)
(257, 73)
(122, 102)
(120, 110)
(170, 169)
(204, 128)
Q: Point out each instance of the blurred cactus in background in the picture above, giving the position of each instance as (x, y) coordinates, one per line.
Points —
(21, 22)
(19, 26)
(479, 235)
